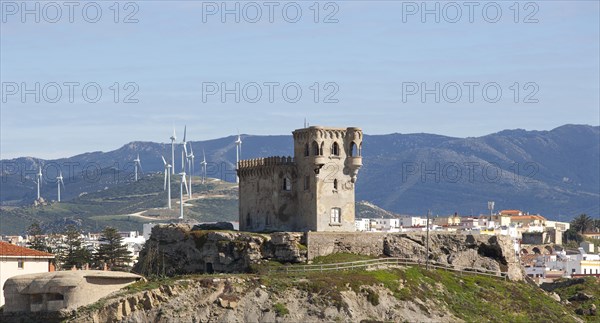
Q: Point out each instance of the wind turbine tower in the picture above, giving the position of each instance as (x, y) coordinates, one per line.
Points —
(203, 163)
(167, 185)
(183, 184)
(173, 138)
(39, 182)
(137, 163)
(184, 153)
(238, 153)
(59, 182)
(191, 169)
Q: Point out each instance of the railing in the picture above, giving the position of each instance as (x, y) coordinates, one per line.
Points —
(380, 262)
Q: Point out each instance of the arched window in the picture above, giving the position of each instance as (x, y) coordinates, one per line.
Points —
(335, 184)
(306, 151)
(335, 149)
(360, 149)
(321, 149)
(315, 149)
(353, 149)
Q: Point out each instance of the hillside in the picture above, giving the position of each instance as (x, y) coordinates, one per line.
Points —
(555, 173)
(395, 294)
(127, 206)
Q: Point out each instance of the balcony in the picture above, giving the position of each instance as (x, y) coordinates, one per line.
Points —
(355, 162)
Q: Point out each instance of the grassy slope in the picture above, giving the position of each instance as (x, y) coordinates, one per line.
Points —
(472, 298)
(590, 286)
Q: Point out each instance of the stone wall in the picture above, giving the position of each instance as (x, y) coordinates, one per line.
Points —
(326, 243)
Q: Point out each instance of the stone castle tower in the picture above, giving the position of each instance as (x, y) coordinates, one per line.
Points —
(313, 191)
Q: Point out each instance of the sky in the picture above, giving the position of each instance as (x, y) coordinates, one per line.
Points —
(92, 76)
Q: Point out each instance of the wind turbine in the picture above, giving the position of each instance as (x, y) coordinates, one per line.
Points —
(183, 183)
(39, 182)
(203, 163)
(168, 168)
(238, 153)
(184, 143)
(136, 163)
(59, 182)
(191, 168)
(173, 138)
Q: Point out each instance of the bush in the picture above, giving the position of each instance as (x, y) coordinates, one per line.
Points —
(280, 310)
(372, 297)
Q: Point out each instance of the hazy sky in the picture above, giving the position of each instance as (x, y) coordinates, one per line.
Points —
(371, 61)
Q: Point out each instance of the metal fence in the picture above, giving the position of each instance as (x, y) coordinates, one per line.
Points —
(383, 262)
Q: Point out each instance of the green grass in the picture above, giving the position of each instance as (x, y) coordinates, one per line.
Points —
(470, 297)
(280, 310)
(589, 286)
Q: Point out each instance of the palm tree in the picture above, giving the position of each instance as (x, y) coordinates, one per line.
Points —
(582, 223)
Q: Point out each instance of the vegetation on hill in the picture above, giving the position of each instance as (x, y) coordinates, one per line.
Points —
(119, 206)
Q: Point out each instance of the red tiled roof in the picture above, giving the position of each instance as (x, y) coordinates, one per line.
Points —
(8, 249)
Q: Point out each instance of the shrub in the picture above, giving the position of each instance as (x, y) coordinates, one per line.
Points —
(280, 309)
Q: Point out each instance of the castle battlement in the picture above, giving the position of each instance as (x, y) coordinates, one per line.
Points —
(267, 161)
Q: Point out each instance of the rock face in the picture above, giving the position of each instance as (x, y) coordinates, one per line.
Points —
(176, 249)
(245, 300)
(475, 251)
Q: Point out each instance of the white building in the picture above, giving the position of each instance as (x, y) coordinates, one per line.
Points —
(412, 221)
(362, 224)
(15, 260)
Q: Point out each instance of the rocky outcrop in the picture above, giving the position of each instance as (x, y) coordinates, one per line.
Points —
(177, 249)
(486, 252)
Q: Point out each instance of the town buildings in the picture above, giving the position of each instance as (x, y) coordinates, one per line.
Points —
(16, 260)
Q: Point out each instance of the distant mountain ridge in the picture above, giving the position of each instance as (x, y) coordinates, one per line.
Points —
(555, 173)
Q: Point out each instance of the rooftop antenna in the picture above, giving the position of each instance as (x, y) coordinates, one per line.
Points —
(173, 138)
(59, 182)
(491, 208)
(166, 187)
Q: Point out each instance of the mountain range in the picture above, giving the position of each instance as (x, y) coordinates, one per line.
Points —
(555, 173)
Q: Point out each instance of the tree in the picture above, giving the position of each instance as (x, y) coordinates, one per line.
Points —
(572, 235)
(36, 241)
(74, 253)
(583, 223)
(112, 251)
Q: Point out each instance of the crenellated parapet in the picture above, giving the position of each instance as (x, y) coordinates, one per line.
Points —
(259, 166)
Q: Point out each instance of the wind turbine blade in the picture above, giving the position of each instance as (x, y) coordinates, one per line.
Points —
(184, 132)
(164, 161)
(185, 184)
